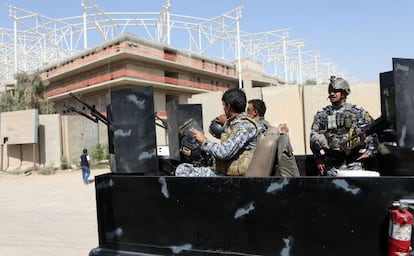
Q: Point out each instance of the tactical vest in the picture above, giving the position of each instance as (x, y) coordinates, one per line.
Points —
(340, 126)
(238, 165)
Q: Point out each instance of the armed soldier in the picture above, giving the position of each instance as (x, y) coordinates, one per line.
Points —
(237, 144)
(333, 132)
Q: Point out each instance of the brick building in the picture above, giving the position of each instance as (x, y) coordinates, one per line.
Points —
(129, 61)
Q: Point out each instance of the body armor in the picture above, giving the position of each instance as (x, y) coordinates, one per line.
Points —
(337, 126)
(340, 125)
(238, 165)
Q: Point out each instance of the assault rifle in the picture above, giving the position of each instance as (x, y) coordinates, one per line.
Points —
(94, 116)
(357, 141)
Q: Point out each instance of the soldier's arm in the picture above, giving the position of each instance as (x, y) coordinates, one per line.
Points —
(229, 148)
(317, 139)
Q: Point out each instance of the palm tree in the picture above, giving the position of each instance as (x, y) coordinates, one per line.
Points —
(28, 93)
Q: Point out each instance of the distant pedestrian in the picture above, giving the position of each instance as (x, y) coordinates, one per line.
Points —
(85, 164)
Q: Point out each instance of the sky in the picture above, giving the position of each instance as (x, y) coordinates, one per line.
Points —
(359, 36)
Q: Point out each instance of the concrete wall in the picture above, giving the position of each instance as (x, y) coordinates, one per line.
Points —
(50, 142)
(284, 105)
(78, 133)
(18, 156)
(47, 152)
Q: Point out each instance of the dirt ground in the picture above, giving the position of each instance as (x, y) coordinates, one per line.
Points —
(47, 214)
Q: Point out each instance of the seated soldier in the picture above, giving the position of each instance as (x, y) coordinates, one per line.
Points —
(285, 162)
(233, 154)
(256, 108)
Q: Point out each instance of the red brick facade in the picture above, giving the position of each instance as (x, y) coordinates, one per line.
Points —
(127, 60)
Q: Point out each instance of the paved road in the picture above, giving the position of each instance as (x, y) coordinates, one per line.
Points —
(42, 215)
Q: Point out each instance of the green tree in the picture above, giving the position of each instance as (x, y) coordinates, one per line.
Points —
(310, 82)
(28, 93)
(7, 101)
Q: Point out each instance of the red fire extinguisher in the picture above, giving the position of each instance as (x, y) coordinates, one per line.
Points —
(399, 232)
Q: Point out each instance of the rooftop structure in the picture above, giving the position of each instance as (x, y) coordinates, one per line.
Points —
(36, 41)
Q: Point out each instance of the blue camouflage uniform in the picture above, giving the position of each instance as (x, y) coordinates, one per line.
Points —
(334, 125)
(262, 123)
(232, 155)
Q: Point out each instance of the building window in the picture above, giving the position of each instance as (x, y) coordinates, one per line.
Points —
(170, 77)
(170, 54)
(170, 98)
(171, 74)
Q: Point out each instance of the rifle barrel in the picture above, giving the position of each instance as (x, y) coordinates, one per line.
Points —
(94, 112)
(71, 108)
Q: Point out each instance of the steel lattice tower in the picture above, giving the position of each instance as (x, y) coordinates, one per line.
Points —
(36, 40)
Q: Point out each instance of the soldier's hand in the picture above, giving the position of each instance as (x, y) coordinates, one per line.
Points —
(320, 164)
(221, 119)
(363, 156)
(198, 135)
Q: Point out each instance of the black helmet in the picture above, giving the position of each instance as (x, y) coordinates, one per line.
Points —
(216, 128)
(339, 84)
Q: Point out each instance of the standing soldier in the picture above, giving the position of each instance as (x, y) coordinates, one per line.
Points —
(332, 129)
